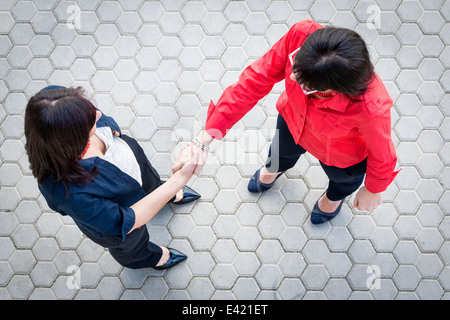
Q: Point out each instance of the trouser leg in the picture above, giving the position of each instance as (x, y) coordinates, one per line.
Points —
(137, 251)
(344, 181)
(284, 152)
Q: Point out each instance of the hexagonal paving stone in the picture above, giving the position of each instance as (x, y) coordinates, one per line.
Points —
(410, 11)
(179, 277)
(362, 226)
(246, 263)
(19, 57)
(429, 289)
(20, 287)
(234, 58)
(271, 202)
(171, 23)
(248, 214)
(202, 238)
(339, 239)
(407, 202)
(337, 289)
(431, 22)
(22, 261)
(226, 226)
(180, 225)
(408, 80)
(25, 236)
(429, 265)
(246, 288)
(322, 11)
(269, 251)
(46, 249)
(214, 23)
(431, 46)
(189, 81)
(430, 166)
(223, 276)
(69, 237)
(155, 288)
(271, 226)
(43, 274)
(247, 239)
(429, 240)
(200, 288)
(429, 190)
(315, 277)
(316, 251)
(226, 202)
(268, 277)
(384, 239)
(193, 12)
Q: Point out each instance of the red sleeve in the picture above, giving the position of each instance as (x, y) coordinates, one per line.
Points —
(255, 82)
(382, 158)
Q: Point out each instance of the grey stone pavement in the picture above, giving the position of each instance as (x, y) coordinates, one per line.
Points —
(154, 66)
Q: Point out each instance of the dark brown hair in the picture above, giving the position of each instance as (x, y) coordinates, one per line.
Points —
(334, 58)
(57, 126)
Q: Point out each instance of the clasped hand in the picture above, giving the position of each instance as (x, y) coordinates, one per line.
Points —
(366, 200)
(190, 160)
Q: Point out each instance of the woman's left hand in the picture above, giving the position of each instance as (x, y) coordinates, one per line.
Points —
(366, 200)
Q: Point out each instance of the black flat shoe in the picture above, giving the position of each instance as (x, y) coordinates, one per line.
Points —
(175, 258)
(188, 196)
(318, 216)
(255, 185)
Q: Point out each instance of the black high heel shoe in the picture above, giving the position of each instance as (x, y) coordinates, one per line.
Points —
(175, 258)
(188, 196)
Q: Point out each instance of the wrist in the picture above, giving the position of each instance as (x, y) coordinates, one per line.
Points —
(180, 179)
(369, 192)
(200, 145)
(204, 138)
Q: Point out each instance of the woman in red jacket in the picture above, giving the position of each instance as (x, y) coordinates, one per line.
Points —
(335, 107)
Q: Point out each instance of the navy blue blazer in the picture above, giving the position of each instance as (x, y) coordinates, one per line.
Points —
(101, 207)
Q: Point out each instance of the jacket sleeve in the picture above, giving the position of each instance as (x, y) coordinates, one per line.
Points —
(102, 214)
(255, 82)
(382, 158)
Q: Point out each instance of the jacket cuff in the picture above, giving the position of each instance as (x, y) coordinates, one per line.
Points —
(379, 185)
(128, 221)
(217, 124)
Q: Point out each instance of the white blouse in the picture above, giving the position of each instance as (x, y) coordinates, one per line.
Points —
(119, 153)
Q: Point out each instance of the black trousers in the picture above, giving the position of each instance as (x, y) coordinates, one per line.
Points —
(136, 251)
(284, 154)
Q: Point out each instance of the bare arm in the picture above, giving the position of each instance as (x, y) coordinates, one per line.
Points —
(146, 208)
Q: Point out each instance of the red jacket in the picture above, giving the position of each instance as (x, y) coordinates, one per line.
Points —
(337, 131)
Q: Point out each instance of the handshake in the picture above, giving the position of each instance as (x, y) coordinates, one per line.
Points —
(190, 160)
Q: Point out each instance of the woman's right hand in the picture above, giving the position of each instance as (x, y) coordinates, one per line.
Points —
(198, 154)
(186, 163)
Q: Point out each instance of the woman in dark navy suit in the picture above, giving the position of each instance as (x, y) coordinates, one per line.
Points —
(88, 170)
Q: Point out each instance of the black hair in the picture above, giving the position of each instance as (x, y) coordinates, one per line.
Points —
(57, 126)
(334, 58)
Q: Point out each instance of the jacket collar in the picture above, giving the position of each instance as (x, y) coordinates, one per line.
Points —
(337, 103)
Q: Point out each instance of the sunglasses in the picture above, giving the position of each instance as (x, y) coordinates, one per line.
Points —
(291, 59)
